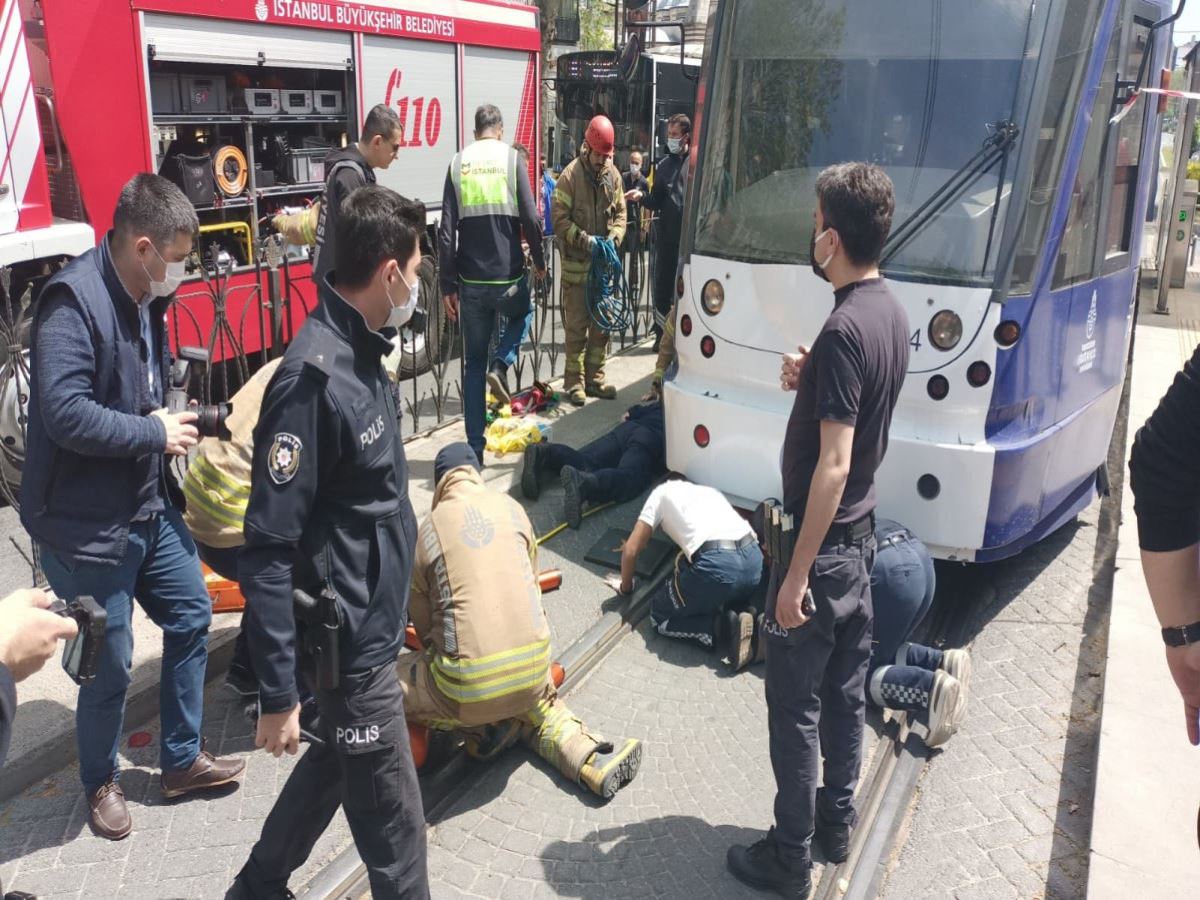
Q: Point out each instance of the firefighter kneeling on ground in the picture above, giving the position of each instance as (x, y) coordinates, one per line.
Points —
(476, 606)
(588, 205)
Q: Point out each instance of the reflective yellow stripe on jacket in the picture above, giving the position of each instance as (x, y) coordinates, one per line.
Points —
(222, 498)
(490, 677)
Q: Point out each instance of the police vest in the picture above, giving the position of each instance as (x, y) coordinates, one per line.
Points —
(484, 176)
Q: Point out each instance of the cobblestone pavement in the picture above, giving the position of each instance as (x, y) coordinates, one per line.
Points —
(705, 783)
(1005, 810)
(183, 848)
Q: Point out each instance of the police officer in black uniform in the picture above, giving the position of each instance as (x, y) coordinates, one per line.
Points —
(329, 515)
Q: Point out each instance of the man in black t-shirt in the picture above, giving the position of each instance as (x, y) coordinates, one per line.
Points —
(817, 626)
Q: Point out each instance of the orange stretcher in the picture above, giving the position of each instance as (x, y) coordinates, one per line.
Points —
(226, 595)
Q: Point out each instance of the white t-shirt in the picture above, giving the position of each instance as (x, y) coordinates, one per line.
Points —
(692, 514)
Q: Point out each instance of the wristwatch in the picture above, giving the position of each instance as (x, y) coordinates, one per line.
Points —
(1182, 636)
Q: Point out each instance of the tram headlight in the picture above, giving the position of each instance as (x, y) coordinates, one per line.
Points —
(712, 298)
(945, 330)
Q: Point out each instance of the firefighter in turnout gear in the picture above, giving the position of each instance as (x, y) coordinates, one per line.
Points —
(476, 606)
(589, 203)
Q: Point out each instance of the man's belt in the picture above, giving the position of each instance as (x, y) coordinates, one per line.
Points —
(852, 532)
(740, 544)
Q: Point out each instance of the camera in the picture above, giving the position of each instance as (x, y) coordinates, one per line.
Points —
(210, 417)
(81, 654)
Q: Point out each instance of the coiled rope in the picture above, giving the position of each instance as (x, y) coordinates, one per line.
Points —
(607, 291)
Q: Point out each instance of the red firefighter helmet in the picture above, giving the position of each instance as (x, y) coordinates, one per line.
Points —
(599, 135)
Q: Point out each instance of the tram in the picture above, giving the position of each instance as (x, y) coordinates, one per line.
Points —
(1014, 248)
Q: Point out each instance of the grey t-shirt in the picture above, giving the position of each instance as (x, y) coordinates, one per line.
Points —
(853, 376)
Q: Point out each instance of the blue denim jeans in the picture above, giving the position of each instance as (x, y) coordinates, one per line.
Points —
(684, 606)
(162, 569)
(478, 312)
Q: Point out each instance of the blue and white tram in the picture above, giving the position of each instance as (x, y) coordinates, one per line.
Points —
(1014, 249)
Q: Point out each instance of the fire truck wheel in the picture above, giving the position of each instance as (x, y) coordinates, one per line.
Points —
(421, 352)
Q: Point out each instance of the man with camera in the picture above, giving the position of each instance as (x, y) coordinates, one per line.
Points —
(329, 539)
(95, 495)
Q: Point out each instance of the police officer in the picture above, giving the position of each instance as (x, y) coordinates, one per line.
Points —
(486, 203)
(666, 199)
(329, 514)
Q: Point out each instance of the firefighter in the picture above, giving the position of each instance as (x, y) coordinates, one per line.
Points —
(589, 204)
(329, 514)
(485, 669)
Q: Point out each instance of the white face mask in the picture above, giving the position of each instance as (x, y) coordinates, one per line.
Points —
(399, 315)
(673, 145)
(634, 169)
(175, 271)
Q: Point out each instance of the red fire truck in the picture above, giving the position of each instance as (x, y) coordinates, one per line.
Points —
(238, 101)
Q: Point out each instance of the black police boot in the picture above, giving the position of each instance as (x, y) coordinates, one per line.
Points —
(239, 891)
(575, 487)
(833, 838)
(531, 470)
(761, 866)
(497, 379)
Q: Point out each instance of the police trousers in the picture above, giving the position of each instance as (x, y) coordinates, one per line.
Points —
(623, 468)
(816, 675)
(365, 766)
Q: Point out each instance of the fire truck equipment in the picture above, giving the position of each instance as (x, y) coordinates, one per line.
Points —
(164, 93)
(296, 103)
(550, 580)
(203, 94)
(226, 596)
(194, 175)
(229, 167)
(243, 231)
(258, 101)
(327, 103)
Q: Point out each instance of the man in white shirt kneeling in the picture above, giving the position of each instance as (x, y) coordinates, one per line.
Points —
(717, 571)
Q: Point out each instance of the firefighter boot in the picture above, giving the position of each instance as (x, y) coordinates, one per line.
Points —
(594, 367)
(611, 767)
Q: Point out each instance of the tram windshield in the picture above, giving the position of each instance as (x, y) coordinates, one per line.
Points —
(915, 87)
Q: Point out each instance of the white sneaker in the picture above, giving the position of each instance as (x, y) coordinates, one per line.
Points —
(958, 664)
(943, 707)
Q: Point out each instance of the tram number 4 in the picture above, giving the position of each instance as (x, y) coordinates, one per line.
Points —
(426, 115)
(915, 340)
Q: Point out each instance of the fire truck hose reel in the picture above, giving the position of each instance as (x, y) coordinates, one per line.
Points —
(607, 292)
(230, 169)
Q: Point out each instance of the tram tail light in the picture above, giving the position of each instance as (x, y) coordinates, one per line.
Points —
(1007, 333)
(928, 486)
(979, 374)
(701, 436)
(685, 325)
(708, 346)
(938, 387)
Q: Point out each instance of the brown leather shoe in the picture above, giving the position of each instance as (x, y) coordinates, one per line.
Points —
(109, 815)
(205, 773)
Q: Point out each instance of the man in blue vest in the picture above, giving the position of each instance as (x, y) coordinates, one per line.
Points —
(487, 202)
(95, 494)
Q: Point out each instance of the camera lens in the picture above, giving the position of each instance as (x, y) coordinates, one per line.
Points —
(210, 420)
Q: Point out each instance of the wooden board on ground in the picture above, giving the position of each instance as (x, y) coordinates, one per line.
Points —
(607, 552)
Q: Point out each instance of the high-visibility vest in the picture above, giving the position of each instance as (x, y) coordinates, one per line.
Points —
(484, 176)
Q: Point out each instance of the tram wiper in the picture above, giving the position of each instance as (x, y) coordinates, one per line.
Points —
(994, 149)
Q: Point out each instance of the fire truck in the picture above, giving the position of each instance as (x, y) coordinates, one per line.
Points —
(237, 101)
